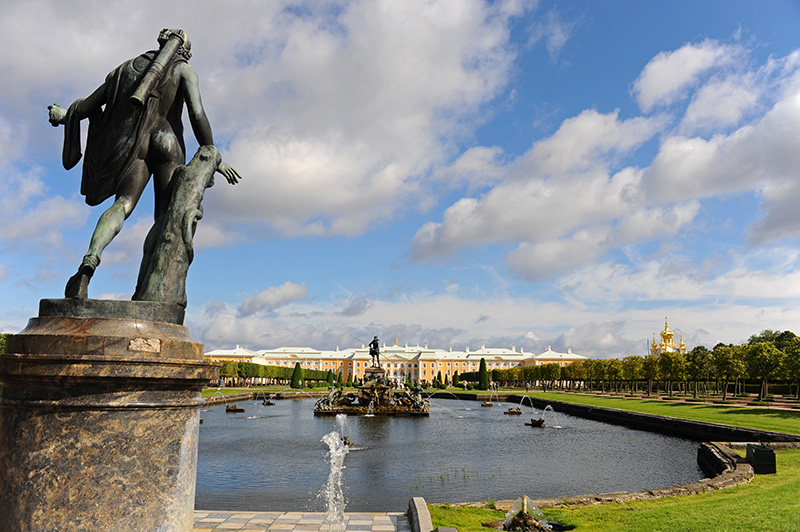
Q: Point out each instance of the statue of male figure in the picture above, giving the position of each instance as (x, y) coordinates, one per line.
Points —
(137, 134)
(375, 352)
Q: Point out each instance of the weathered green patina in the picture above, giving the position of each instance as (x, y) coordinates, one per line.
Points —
(135, 131)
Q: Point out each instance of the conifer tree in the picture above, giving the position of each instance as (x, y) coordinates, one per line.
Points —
(483, 376)
(297, 376)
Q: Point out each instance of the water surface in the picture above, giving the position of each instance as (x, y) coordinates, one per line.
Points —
(272, 457)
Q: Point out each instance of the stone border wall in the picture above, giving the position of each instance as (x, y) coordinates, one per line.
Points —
(717, 459)
(419, 518)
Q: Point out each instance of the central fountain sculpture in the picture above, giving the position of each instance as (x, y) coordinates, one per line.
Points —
(375, 396)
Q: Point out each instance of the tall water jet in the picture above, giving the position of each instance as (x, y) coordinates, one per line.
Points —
(332, 491)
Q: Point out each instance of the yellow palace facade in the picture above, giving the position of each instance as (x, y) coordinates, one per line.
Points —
(421, 363)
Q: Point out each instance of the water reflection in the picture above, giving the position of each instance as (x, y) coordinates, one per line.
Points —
(271, 458)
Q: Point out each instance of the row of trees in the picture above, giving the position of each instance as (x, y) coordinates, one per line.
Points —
(546, 374)
(768, 356)
(274, 374)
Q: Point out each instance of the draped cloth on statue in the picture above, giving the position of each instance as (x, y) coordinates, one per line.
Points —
(118, 131)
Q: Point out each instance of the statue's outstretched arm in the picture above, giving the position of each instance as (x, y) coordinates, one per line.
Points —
(83, 109)
(199, 120)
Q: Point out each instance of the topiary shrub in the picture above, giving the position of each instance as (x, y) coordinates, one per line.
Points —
(483, 376)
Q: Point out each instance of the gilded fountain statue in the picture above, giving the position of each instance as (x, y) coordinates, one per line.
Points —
(375, 395)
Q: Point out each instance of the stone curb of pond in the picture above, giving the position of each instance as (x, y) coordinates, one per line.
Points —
(728, 467)
(419, 518)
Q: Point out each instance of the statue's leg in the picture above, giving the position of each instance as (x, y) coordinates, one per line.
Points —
(108, 226)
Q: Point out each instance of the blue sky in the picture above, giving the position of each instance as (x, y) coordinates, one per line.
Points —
(451, 173)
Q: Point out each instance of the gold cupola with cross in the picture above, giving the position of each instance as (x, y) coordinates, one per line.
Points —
(667, 343)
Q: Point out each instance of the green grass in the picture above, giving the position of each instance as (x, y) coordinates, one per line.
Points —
(208, 392)
(465, 519)
(769, 503)
(787, 421)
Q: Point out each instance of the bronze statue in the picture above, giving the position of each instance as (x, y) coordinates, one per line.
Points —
(135, 131)
(375, 352)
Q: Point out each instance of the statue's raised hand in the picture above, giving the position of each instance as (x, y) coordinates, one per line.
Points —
(57, 114)
(229, 172)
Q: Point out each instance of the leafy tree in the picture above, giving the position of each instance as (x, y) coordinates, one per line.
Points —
(549, 373)
(528, 373)
(791, 362)
(698, 365)
(456, 379)
(650, 371)
(483, 376)
(329, 378)
(297, 376)
(438, 380)
(784, 339)
(632, 369)
(599, 372)
(614, 372)
(229, 369)
(249, 370)
(763, 361)
(767, 335)
(3, 338)
(727, 365)
(673, 367)
(577, 372)
(780, 339)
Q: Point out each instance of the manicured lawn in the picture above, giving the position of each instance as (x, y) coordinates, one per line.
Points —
(787, 421)
(769, 503)
(208, 392)
(464, 519)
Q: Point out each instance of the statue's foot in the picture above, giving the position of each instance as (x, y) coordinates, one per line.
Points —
(78, 284)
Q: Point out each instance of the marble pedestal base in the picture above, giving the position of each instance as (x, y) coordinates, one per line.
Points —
(99, 409)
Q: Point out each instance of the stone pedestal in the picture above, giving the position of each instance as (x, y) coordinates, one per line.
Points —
(99, 408)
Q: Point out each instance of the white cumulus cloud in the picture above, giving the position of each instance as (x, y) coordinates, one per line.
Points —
(272, 297)
(666, 76)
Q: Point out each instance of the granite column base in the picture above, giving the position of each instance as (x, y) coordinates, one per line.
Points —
(99, 410)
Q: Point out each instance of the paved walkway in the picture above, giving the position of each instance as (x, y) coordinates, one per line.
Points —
(297, 522)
